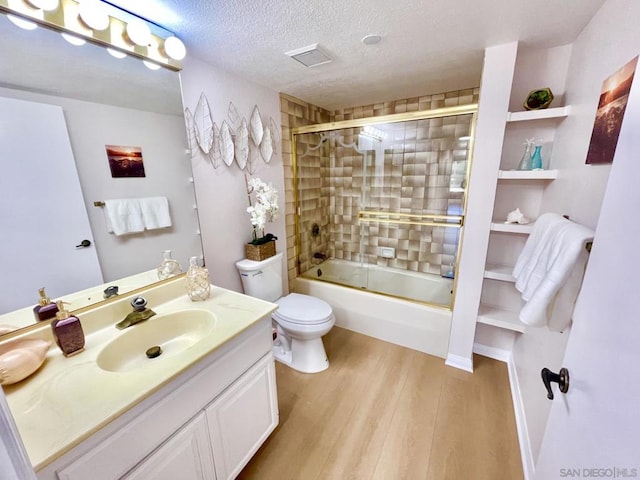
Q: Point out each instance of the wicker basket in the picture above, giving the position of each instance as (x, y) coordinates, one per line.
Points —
(260, 252)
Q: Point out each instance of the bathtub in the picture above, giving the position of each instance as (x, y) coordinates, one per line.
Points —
(396, 320)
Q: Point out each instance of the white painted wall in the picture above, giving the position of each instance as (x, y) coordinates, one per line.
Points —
(494, 98)
(608, 42)
(163, 140)
(221, 192)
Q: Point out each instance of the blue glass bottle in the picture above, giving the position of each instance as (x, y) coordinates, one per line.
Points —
(536, 158)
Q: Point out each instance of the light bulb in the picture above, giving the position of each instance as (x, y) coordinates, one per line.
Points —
(22, 23)
(139, 33)
(93, 14)
(174, 48)
(47, 5)
(73, 40)
(151, 65)
(116, 53)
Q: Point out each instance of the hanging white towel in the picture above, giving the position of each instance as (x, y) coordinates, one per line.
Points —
(123, 216)
(155, 212)
(546, 262)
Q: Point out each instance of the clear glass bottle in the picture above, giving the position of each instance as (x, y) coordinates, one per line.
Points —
(536, 158)
(525, 161)
(197, 281)
(169, 267)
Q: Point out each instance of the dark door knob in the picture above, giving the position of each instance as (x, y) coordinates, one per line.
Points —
(83, 244)
(562, 379)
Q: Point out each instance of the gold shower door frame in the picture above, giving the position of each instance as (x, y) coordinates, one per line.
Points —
(365, 216)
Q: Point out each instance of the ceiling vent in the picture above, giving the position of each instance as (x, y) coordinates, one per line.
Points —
(310, 56)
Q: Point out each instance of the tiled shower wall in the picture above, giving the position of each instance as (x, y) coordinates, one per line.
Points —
(296, 113)
(415, 178)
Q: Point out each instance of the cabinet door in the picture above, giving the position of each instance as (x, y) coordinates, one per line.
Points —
(242, 418)
(186, 455)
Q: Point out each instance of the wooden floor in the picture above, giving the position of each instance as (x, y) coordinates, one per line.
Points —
(386, 412)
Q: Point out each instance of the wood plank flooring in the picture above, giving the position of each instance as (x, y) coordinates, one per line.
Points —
(385, 412)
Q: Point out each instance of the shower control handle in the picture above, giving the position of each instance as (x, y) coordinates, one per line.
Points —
(561, 378)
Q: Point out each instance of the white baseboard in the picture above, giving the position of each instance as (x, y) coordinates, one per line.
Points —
(492, 352)
(526, 454)
(463, 363)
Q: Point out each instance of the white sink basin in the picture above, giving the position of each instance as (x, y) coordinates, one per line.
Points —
(173, 332)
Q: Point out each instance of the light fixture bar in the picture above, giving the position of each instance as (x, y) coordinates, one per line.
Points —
(66, 19)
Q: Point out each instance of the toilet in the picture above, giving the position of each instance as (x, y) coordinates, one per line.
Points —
(300, 321)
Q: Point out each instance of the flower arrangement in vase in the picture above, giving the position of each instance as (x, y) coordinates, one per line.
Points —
(263, 209)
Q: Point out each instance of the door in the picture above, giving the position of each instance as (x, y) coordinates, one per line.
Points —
(42, 210)
(594, 430)
(242, 418)
(185, 456)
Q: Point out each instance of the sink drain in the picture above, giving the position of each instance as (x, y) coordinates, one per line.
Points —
(154, 352)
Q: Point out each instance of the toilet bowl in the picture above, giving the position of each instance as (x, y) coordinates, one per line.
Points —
(300, 321)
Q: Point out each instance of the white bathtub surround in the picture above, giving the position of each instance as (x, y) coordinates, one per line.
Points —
(545, 264)
(410, 324)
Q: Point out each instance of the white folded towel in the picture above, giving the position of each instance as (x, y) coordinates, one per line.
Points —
(155, 212)
(123, 216)
(546, 262)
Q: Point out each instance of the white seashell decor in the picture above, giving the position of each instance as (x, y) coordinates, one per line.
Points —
(516, 216)
(21, 358)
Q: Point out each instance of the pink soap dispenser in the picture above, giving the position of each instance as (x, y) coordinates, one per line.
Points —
(67, 332)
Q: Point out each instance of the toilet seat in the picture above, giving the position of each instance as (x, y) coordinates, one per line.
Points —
(303, 310)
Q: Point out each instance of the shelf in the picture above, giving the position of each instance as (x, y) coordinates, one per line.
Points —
(512, 227)
(527, 174)
(490, 315)
(557, 112)
(499, 272)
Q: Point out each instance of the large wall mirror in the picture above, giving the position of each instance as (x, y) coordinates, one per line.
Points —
(103, 101)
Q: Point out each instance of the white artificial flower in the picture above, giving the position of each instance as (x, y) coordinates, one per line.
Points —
(265, 209)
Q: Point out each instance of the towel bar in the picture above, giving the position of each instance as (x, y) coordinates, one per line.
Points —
(98, 204)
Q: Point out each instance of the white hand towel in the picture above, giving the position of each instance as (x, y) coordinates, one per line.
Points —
(548, 259)
(155, 212)
(123, 216)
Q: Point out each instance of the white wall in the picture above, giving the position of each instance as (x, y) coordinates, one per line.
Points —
(221, 192)
(608, 42)
(163, 140)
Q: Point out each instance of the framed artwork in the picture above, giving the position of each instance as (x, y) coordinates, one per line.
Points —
(611, 108)
(125, 161)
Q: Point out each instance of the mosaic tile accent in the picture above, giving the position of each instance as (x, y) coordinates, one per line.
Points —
(414, 170)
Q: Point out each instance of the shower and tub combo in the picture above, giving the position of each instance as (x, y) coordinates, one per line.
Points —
(379, 220)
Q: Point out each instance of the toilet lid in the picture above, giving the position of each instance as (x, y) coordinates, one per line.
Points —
(303, 309)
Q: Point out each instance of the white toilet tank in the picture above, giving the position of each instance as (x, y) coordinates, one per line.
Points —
(262, 279)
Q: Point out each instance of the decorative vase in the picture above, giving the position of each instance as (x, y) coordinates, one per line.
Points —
(536, 158)
(538, 99)
(260, 252)
(525, 161)
(169, 267)
(197, 281)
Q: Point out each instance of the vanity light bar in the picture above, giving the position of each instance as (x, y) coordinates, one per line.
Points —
(66, 19)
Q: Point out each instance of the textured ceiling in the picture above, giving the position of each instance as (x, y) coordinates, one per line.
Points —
(428, 46)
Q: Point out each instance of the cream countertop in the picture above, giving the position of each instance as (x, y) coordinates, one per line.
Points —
(70, 398)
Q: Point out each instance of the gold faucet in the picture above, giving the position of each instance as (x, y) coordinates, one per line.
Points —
(140, 313)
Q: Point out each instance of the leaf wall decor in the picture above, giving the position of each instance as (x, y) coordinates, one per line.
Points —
(242, 144)
(266, 146)
(216, 147)
(203, 124)
(226, 144)
(256, 129)
(191, 135)
(275, 135)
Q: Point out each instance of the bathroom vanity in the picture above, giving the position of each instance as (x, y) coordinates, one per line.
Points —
(198, 411)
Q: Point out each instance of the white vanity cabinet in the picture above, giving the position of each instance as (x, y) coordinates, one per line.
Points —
(205, 424)
(186, 455)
